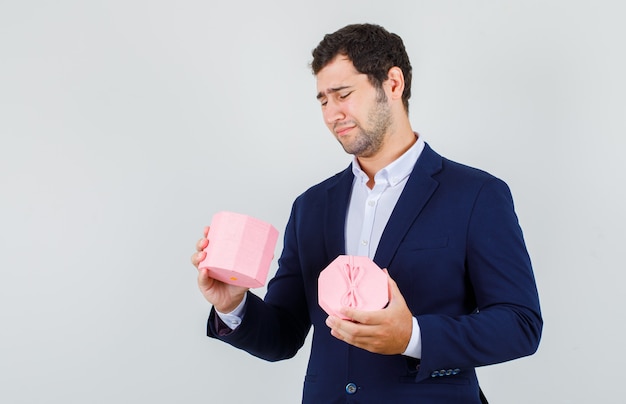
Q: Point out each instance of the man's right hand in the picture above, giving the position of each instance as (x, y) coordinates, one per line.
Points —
(224, 297)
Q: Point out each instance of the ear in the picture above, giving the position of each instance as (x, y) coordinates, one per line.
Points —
(395, 81)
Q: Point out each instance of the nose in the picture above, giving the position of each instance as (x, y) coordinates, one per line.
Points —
(332, 112)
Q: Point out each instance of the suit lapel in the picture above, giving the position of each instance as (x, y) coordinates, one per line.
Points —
(417, 191)
(337, 199)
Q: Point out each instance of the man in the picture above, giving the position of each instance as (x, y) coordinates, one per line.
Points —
(461, 286)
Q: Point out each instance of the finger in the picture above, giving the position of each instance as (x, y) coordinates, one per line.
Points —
(368, 317)
(206, 231)
(197, 258)
(202, 244)
(352, 333)
(338, 328)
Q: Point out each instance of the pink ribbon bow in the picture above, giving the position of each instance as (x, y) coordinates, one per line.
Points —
(352, 275)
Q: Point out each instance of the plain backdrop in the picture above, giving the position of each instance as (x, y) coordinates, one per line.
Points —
(125, 125)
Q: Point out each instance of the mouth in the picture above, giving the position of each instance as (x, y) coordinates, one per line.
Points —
(342, 131)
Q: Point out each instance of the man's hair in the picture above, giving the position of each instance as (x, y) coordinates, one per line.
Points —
(373, 51)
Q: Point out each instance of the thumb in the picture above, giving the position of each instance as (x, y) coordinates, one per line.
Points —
(204, 279)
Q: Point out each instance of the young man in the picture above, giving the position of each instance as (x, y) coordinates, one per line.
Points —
(462, 290)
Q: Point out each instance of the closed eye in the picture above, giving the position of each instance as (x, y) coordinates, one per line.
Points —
(344, 96)
(337, 92)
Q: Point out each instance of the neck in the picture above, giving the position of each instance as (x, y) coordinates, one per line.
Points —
(395, 145)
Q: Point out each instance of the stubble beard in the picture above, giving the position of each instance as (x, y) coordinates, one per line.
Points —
(368, 142)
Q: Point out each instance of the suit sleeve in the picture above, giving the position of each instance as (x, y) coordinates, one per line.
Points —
(507, 323)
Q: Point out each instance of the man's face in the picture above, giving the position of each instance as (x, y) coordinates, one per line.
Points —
(355, 111)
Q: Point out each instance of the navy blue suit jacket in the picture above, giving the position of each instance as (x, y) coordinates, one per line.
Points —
(453, 245)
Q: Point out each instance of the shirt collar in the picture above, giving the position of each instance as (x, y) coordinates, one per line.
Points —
(396, 171)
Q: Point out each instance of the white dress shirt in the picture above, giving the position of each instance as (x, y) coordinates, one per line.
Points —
(368, 213)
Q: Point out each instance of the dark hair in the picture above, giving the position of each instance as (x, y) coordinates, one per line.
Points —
(373, 51)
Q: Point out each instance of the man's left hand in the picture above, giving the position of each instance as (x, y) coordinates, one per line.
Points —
(385, 331)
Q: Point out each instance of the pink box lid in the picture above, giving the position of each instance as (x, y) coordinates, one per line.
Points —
(240, 250)
(352, 281)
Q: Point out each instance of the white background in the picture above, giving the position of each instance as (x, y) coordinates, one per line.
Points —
(126, 124)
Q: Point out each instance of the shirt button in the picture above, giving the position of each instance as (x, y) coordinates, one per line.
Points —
(351, 388)
(371, 203)
(363, 242)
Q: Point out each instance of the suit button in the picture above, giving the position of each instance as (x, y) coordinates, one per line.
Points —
(351, 388)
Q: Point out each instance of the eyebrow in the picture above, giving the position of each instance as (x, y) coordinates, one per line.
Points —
(330, 91)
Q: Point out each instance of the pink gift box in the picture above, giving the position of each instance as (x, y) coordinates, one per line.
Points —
(240, 250)
(352, 281)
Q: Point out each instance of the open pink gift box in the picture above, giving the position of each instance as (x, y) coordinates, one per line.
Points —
(352, 281)
(240, 250)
